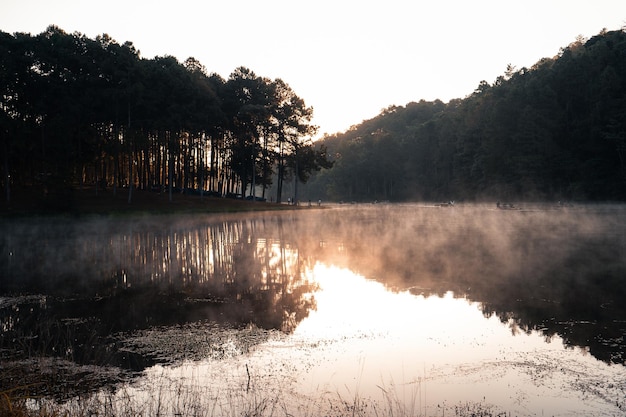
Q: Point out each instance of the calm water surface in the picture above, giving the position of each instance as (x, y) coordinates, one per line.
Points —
(407, 309)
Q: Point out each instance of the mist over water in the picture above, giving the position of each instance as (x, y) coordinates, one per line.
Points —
(111, 292)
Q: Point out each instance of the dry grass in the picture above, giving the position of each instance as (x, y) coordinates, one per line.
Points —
(248, 396)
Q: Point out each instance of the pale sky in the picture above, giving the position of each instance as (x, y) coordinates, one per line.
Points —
(348, 59)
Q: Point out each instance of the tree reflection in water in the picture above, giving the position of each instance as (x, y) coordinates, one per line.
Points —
(74, 289)
(553, 269)
(84, 282)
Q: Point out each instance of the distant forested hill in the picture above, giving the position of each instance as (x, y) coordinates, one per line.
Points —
(553, 131)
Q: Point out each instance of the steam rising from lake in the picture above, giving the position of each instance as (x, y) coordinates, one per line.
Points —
(547, 272)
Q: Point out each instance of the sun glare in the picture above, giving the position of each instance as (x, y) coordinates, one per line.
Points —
(348, 302)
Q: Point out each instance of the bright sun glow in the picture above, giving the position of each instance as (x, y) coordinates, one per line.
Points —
(349, 304)
(363, 340)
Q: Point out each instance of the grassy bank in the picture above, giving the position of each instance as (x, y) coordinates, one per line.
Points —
(89, 201)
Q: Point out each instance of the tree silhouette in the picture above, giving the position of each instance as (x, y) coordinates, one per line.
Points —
(81, 112)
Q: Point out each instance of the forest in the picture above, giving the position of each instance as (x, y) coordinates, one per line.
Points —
(79, 112)
(555, 131)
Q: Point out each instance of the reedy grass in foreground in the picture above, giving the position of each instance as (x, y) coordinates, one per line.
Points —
(177, 398)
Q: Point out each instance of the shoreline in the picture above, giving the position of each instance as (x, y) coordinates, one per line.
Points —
(105, 202)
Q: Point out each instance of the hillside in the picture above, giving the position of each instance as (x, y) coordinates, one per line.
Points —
(556, 130)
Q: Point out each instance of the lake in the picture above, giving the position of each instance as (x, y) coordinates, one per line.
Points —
(377, 309)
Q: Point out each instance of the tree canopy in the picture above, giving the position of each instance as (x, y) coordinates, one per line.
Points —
(553, 131)
(76, 111)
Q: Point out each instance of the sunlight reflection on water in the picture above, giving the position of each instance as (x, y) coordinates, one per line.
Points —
(382, 337)
(427, 353)
(415, 306)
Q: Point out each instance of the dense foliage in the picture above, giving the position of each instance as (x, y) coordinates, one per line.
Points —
(556, 130)
(76, 111)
